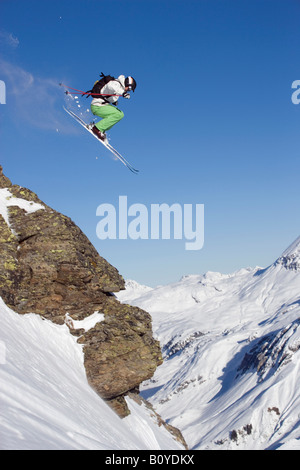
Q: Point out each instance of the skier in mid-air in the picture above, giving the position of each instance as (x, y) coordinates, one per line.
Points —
(105, 95)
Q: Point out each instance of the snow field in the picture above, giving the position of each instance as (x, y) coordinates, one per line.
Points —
(231, 346)
(46, 402)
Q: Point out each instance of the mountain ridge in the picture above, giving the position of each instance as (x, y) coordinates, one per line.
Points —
(231, 349)
(50, 268)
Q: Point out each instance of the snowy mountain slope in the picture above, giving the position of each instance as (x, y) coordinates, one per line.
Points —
(291, 256)
(46, 401)
(231, 344)
(133, 290)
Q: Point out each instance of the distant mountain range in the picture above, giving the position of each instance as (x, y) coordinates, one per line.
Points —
(231, 347)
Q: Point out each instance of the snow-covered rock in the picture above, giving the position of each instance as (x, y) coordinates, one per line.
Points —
(290, 259)
(49, 267)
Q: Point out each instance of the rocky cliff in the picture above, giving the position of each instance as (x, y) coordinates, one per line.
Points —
(49, 267)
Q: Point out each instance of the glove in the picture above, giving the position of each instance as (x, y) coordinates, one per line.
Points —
(126, 95)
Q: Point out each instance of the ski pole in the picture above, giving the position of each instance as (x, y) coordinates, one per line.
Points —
(82, 92)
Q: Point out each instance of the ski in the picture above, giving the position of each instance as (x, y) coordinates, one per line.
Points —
(105, 143)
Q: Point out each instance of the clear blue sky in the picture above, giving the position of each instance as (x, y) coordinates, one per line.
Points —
(211, 121)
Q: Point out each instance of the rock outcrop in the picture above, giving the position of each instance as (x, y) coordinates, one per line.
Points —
(49, 267)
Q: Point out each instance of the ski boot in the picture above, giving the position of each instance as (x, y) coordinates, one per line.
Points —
(99, 134)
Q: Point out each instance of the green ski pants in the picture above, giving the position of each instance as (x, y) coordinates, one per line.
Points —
(110, 116)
